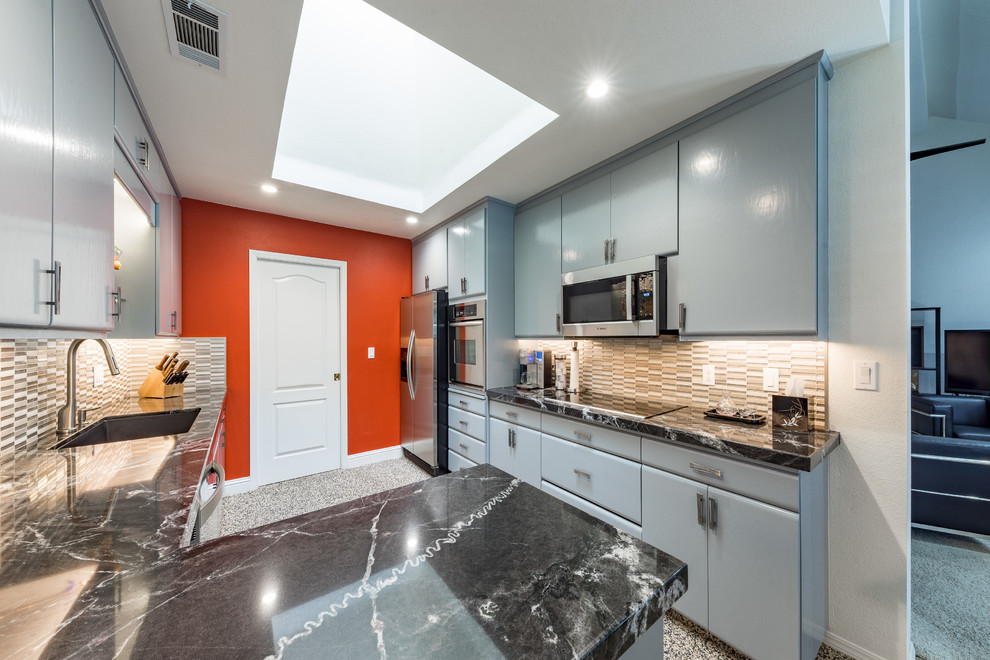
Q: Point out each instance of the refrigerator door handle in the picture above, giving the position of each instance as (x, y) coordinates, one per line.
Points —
(411, 364)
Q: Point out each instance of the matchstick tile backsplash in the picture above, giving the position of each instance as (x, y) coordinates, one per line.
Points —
(670, 370)
(32, 379)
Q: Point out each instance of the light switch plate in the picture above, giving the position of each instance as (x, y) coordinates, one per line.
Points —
(97, 375)
(771, 379)
(708, 374)
(371, 352)
(865, 375)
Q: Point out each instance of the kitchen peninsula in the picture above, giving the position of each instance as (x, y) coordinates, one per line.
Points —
(473, 564)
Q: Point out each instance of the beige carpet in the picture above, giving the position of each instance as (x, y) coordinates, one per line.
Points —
(950, 596)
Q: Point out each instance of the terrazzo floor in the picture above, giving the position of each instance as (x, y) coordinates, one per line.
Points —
(683, 640)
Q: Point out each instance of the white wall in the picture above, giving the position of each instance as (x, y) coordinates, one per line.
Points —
(950, 209)
(868, 320)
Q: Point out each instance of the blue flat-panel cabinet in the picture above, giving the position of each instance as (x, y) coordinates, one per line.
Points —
(429, 262)
(644, 206)
(537, 270)
(585, 225)
(466, 255)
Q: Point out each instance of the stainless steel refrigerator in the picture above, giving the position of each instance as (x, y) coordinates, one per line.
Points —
(423, 386)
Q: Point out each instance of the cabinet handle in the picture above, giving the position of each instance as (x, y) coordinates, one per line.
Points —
(558, 322)
(713, 515)
(704, 469)
(581, 435)
(462, 422)
(426, 282)
(463, 285)
(56, 273)
(174, 316)
(681, 315)
(118, 303)
(509, 413)
(462, 402)
(463, 446)
(611, 252)
(606, 250)
(512, 438)
(583, 474)
(701, 509)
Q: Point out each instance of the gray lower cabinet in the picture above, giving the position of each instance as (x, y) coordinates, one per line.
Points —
(515, 449)
(537, 270)
(752, 219)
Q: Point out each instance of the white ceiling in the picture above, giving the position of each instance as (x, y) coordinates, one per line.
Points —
(665, 59)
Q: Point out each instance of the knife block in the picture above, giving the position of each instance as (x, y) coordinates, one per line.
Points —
(154, 387)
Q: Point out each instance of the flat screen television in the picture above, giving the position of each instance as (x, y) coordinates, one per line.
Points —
(967, 362)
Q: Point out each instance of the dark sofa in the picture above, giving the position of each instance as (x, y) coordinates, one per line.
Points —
(950, 463)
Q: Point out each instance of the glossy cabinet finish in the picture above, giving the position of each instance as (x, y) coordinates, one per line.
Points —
(644, 206)
(537, 270)
(609, 481)
(429, 262)
(749, 230)
(169, 236)
(466, 255)
(82, 167)
(26, 163)
(598, 512)
(585, 217)
(515, 449)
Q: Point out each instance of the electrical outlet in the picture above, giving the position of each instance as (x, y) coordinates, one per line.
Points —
(371, 352)
(771, 379)
(708, 374)
(97, 375)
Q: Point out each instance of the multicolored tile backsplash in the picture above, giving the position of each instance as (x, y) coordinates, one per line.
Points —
(667, 369)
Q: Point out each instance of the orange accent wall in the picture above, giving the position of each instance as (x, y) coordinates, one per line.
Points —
(215, 303)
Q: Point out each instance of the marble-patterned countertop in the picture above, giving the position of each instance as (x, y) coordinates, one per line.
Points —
(689, 426)
(77, 521)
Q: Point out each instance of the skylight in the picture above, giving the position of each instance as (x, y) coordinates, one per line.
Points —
(377, 111)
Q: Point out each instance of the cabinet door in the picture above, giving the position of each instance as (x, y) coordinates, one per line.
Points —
(127, 119)
(429, 260)
(754, 577)
(516, 450)
(644, 206)
(673, 522)
(748, 220)
(537, 270)
(26, 163)
(585, 225)
(82, 174)
(455, 258)
(473, 265)
(169, 265)
(135, 233)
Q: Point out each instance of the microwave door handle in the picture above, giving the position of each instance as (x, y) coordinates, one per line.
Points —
(630, 316)
(411, 364)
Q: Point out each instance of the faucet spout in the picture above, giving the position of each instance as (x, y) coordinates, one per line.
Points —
(67, 413)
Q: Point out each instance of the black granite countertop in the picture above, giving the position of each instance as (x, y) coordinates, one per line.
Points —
(74, 521)
(689, 426)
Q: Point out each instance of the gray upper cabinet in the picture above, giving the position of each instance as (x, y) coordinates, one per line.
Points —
(585, 218)
(82, 176)
(752, 216)
(169, 270)
(429, 262)
(466, 255)
(537, 270)
(26, 163)
(644, 206)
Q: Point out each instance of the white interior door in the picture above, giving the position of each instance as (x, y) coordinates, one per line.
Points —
(297, 365)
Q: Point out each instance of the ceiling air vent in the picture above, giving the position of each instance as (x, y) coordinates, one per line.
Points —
(196, 32)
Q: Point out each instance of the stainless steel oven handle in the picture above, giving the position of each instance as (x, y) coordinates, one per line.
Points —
(464, 324)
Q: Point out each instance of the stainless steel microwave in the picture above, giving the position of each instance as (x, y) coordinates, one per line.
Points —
(624, 299)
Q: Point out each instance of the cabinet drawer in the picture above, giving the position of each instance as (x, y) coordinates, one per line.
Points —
(767, 485)
(515, 414)
(592, 435)
(516, 450)
(457, 462)
(466, 422)
(466, 446)
(602, 514)
(464, 402)
(607, 480)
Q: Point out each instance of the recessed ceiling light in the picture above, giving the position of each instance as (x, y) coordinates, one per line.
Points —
(269, 188)
(597, 89)
(412, 219)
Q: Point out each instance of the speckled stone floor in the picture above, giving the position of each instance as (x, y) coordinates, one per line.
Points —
(683, 640)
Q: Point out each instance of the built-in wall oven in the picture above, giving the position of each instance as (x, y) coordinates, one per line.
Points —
(467, 343)
(624, 299)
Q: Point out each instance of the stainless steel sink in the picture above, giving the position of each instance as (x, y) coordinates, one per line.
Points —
(131, 427)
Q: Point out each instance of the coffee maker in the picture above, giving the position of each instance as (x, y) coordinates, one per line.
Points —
(535, 372)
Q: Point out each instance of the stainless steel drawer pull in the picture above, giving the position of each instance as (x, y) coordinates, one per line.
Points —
(462, 422)
(704, 469)
(701, 509)
(512, 438)
(583, 474)
(462, 402)
(56, 273)
(713, 514)
(509, 413)
(581, 435)
(462, 445)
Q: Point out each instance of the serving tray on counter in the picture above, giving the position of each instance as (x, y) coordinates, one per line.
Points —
(753, 420)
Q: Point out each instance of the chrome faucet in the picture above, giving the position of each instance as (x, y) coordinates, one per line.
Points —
(67, 413)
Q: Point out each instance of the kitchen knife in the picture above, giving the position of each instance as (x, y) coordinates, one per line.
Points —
(179, 369)
(182, 377)
(161, 365)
